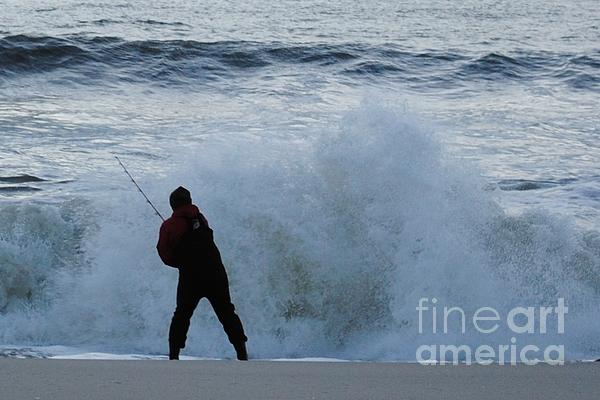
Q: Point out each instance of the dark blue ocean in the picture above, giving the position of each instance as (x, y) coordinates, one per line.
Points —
(352, 158)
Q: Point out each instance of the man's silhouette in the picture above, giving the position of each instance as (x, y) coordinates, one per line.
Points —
(186, 243)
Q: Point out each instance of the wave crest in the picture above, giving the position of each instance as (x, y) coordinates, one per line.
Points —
(189, 61)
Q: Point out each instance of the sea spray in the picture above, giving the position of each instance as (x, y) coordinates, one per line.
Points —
(329, 240)
(342, 235)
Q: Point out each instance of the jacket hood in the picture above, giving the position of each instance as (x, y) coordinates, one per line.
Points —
(187, 211)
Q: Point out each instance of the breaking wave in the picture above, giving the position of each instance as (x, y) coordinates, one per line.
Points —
(330, 242)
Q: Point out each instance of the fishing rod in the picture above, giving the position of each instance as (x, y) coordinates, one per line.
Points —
(140, 189)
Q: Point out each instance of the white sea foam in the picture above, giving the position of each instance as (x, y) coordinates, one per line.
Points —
(329, 243)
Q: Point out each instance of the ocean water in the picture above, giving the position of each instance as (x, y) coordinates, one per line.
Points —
(352, 158)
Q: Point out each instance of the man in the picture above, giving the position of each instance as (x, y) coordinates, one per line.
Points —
(186, 243)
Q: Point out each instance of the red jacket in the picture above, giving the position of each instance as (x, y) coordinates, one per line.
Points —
(173, 229)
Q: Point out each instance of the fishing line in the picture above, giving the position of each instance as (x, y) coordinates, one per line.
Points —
(140, 189)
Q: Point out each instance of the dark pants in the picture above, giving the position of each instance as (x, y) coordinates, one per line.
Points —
(192, 287)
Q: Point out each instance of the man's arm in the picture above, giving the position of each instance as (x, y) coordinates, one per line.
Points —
(164, 246)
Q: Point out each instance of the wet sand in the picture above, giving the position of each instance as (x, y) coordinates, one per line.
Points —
(33, 379)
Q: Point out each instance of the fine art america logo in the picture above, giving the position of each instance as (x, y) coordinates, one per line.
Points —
(486, 321)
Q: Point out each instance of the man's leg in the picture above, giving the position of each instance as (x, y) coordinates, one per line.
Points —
(187, 300)
(220, 300)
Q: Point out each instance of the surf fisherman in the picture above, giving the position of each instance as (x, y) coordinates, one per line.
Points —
(186, 243)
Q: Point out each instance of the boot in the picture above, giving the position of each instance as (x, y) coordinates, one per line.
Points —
(173, 352)
(240, 349)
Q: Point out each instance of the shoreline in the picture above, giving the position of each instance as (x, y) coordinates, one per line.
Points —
(59, 352)
(215, 379)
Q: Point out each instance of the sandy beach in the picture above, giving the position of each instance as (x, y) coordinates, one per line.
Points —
(92, 379)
